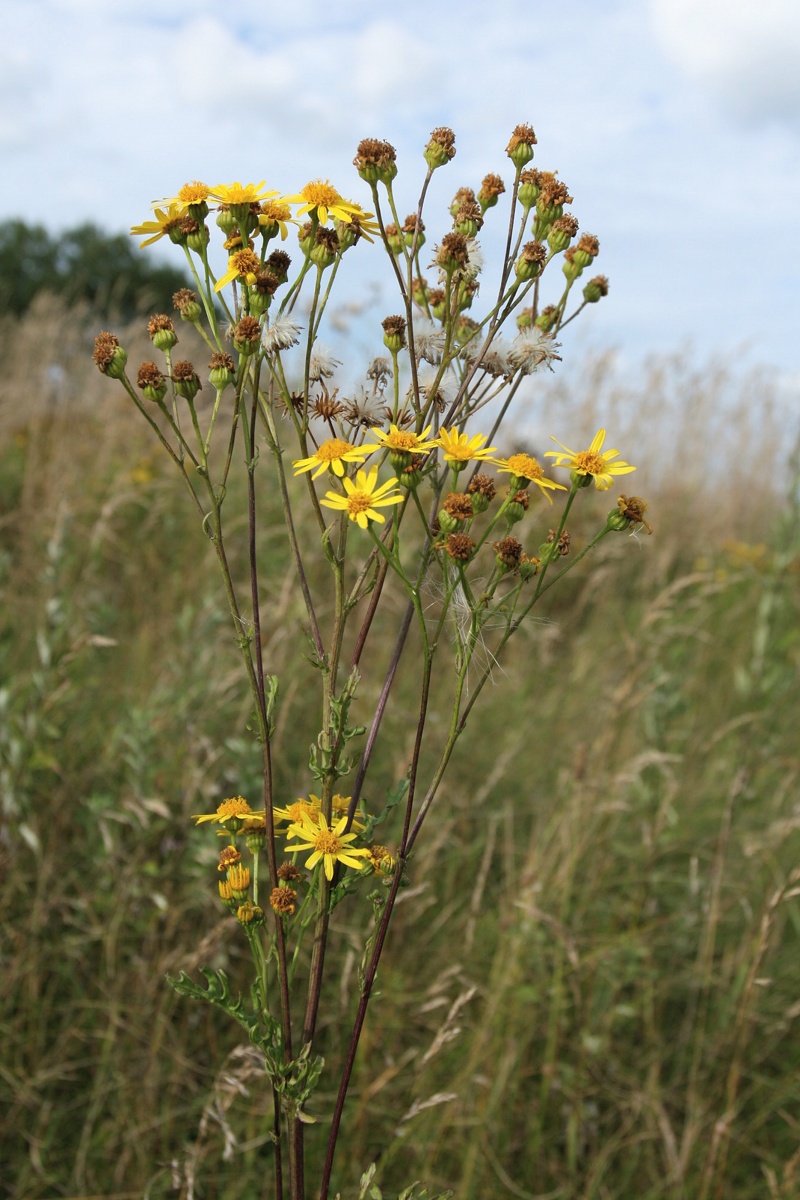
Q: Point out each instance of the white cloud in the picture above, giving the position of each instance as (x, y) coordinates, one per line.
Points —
(746, 54)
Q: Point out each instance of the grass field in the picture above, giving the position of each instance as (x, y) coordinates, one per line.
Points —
(591, 989)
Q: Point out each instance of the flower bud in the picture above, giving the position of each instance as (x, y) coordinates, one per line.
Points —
(440, 148)
(247, 335)
(520, 147)
(185, 301)
(198, 238)
(394, 239)
(528, 567)
(530, 262)
(226, 894)
(628, 514)
(547, 318)
(490, 191)
(528, 191)
(595, 289)
(508, 553)
(561, 233)
(223, 371)
(250, 914)
(375, 161)
(481, 491)
(239, 879)
(187, 383)
(109, 355)
(162, 332)
(448, 523)
(326, 246)
(394, 334)
(226, 220)
(153, 384)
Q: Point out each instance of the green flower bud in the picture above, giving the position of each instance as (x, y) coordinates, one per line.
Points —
(198, 240)
(375, 161)
(185, 379)
(223, 371)
(109, 356)
(448, 523)
(226, 221)
(520, 147)
(152, 383)
(595, 289)
(441, 147)
(162, 332)
(394, 334)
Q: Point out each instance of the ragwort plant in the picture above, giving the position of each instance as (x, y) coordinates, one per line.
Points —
(398, 485)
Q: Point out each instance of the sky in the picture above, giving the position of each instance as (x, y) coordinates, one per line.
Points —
(675, 123)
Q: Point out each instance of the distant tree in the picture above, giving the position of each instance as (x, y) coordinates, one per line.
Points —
(82, 264)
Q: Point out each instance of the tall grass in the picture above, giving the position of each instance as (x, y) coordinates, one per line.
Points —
(591, 990)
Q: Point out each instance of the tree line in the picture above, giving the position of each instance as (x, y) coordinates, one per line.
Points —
(83, 264)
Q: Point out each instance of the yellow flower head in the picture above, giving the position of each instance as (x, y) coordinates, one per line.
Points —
(331, 845)
(332, 454)
(363, 498)
(460, 449)
(239, 194)
(275, 215)
(591, 462)
(524, 466)
(362, 224)
(404, 440)
(294, 813)
(162, 225)
(235, 809)
(321, 197)
(191, 193)
(339, 808)
(242, 264)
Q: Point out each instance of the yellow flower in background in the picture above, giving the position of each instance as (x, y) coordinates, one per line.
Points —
(591, 462)
(242, 264)
(191, 193)
(339, 808)
(236, 194)
(525, 466)
(294, 813)
(161, 226)
(404, 440)
(234, 809)
(331, 845)
(275, 214)
(363, 498)
(321, 197)
(332, 454)
(460, 449)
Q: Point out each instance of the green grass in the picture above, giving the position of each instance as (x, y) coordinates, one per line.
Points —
(597, 957)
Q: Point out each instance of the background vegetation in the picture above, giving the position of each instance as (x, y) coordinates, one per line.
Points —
(592, 986)
(84, 264)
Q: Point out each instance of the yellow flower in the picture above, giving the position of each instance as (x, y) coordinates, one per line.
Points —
(591, 462)
(294, 813)
(461, 449)
(332, 454)
(275, 213)
(332, 845)
(404, 440)
(524, 466)
(236, 194)
(322, 197)
(242, 264)
(363, 223)
(234, 809)
(161, 226)
(363, 498)
(191, 193)
(339, 808)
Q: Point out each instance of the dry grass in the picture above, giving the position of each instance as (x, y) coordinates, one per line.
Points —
(591, 990)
